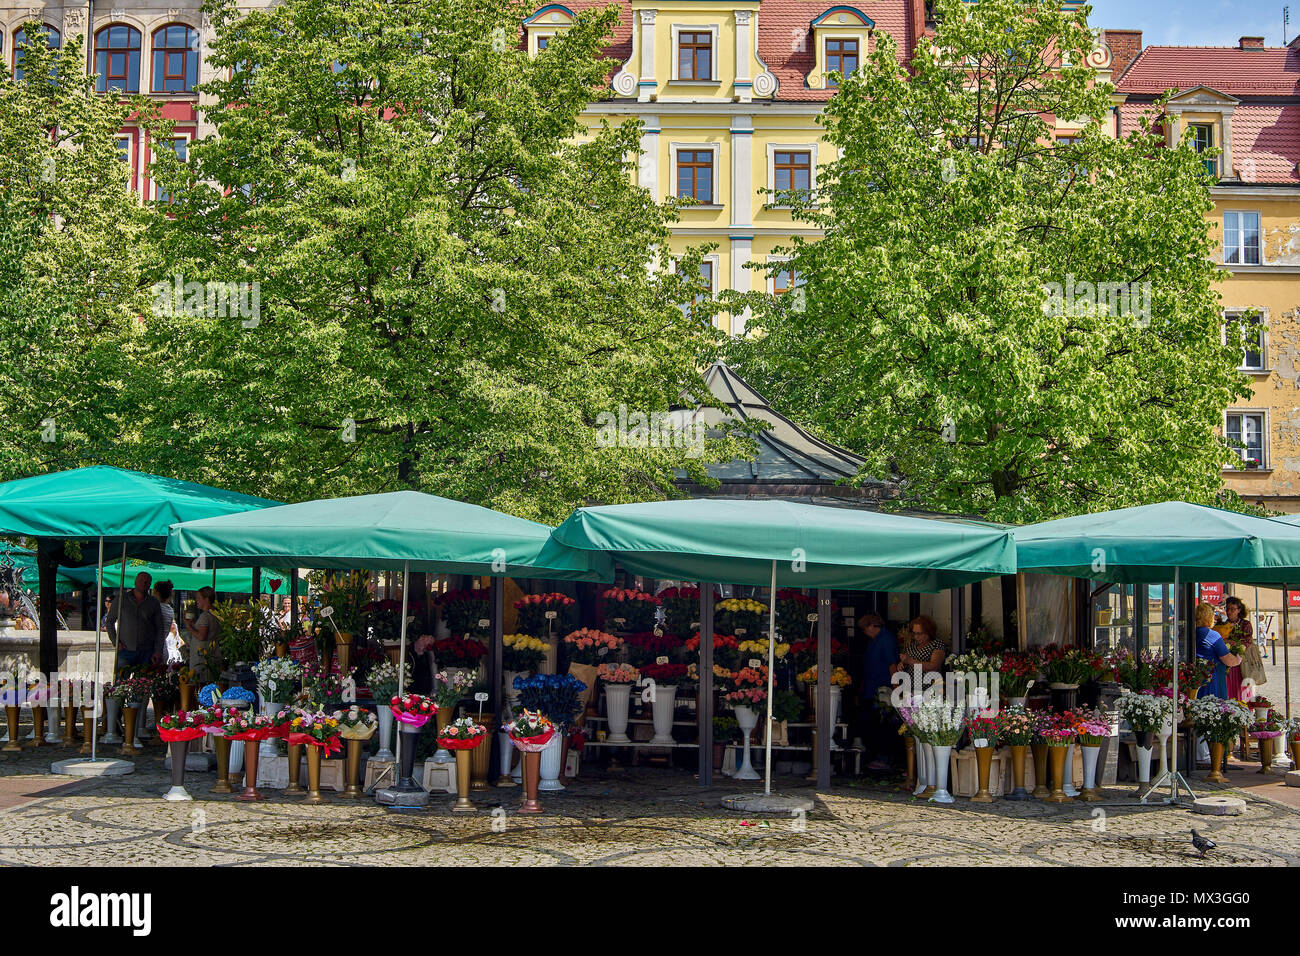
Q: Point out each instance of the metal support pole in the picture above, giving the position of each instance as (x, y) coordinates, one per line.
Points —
(825, 728)
(497, 596)
(401, 656)
(99, 623)
(1176, 779)
(1286, 655)
(704, 711)
(771, 667)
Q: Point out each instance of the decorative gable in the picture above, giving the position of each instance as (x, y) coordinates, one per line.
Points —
(840, 39)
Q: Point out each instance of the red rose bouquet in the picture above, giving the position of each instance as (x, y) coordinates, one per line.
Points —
(183, 725)
(627, 610)
(533, 609)
(644, 648)
(665, 674)
(414, 710)
(458, 652)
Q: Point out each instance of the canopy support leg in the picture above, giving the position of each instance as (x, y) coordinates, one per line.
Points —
(825, 727)
(1176, 779)
(704, 711)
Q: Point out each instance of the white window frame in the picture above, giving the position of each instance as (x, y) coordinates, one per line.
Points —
(1241, 248)
(1265, 458)
(1263, 337)
(716, 149)
(188, 136)
(771, 279)
(712, 30)
(131, 158)
(810, 149)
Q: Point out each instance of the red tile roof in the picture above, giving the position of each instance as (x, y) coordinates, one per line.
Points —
(1270, 72)
(1266, 143)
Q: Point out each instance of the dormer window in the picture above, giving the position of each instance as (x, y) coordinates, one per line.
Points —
(695, 56)
(1203, 142)
(840, 38)
(543, 26)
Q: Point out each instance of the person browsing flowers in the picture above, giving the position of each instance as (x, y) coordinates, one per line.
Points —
(923, 648)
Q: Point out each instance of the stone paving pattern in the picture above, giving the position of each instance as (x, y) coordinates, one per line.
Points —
(648, 816)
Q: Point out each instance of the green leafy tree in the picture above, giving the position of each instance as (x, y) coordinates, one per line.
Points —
(455, 275)
(945, 332)
(73, 263)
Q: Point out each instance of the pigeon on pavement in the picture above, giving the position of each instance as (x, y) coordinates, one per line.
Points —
(1201, 843)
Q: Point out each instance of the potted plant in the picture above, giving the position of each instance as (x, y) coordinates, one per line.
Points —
(940, 724)
(591, 647)
(412, 712)
(530, 733)
(177, 730)
(559, 698)
(1219, 721)
(449, 688)
(748, 693)
(726, 650)
(618, 680)
(249, 729)
(1016, 674)
(461, 736)
(738, 616)
(521, 654)
(1093, 729)
(1059, 731)
(839, 680)
(975, 671)
(983, 731)
(356, 726)
(319, 733)
(1015, 729)
(681, 611)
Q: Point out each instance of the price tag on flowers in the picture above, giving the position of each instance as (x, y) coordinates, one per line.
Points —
(755, 662)
(661, 659)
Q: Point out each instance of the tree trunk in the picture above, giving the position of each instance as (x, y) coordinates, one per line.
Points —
(49, 553)
(1010, 636)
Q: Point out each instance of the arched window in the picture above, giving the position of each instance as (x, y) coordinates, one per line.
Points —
(52, 36)
(117, 59)
(175, 59)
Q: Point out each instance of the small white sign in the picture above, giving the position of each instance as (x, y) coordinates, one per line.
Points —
(551, 615)
(740, 632)
(755, 662)
(481, 697)
(602, 652)
(661, 659)
(812, 617)
(484, 622)
(620, 621)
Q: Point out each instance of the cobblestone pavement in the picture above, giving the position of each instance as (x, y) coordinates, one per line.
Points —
(642, 817)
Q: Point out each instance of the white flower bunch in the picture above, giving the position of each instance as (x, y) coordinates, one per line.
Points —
(973, 662)
(382, 680)
(276, 677)
(939, 722)
(1145, 712)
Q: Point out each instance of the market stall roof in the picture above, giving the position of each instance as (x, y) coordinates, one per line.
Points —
(390, 531)
(1147, 544)
(23, 562)
(228, 580)
(814, 546)
(118, 505)
(791, 461)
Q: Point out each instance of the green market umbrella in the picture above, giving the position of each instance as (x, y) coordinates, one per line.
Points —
(404, 530)
(101, 503)
(1174, 541)
(773, 542)
(232, 580)
(812, 546)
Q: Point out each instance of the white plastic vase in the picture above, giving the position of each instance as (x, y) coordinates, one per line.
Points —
(112, 707)
(508, 679)
(662, 711)
(836, 694)
(1144, 766)
(941, 755)
(507, 750)
(550, 769)
(922, 767)
(1068, 787)
(1162, 745)
(236, 756)
(266, 749)
(385, 732)
(747, 720)
(616, 701)
(1090, 755)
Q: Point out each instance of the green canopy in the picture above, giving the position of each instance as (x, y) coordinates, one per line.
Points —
(118, 505)
(24, 564)
(390, 531)
(814, 546)
(232, 580)
(1149, 542)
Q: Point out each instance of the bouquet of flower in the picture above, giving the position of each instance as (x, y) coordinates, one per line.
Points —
(183, 725)
(973, 662)
(738, 616)
(278, 678)
(1219, 720)
(462, 734)
(1066, 665)
(681, 610)
(628, 610)
(1015, 726)
(726, 649)
(1059, 730)
(414, 710)
(530, 731)
(462, 610)
(645, 648)
(322, 687)
(211, 718)
(449, 688)
(315, 730)
(356, 723)
(522, 652)
(282, 719)
(938, 722)
(1093, 726)
(533, 609)
(383, 679)
(982, 640)
(587, 646)
(750, 649)
(983, 727)
(748, 687)
(1017, 673)
(1270, 726)
(1145, 712)
(1136, 673)
(241, 726)
(665, 674)
(618, 674)
(129, 690)
(458, 652)
(796, 614)
(804, 653)
(839, 676)
(558, 696)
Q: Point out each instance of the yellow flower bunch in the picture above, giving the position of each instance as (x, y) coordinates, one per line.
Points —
(760, 647)
(742, 604)
(839, 677)
(525, 642)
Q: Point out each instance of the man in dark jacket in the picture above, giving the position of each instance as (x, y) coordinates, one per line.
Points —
(136, 626)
